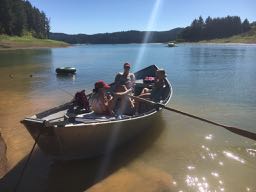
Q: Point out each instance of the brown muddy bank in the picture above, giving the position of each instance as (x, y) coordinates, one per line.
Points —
(3, 159)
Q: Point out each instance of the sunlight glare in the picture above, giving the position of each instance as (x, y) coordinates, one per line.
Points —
(234, 157)
(150, 25)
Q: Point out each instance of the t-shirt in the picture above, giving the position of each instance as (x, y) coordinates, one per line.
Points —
(128, 80)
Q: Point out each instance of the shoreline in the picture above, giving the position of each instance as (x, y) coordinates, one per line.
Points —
(218, 43)
(24, 47)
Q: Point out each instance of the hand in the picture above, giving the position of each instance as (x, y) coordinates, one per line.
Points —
(109, 97)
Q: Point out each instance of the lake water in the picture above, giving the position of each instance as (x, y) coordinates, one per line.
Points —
(214, 81)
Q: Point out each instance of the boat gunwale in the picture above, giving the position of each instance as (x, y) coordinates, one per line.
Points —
(107, 121)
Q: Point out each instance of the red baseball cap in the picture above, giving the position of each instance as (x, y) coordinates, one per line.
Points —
(127, 65)
(101, 84)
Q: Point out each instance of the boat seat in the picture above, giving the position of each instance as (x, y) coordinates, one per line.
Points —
(93, 117)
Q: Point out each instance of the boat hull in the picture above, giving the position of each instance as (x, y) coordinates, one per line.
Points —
(84, 141)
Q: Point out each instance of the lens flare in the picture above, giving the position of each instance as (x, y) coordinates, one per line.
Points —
(150, 25)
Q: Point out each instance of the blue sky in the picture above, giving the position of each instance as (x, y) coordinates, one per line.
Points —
(100, 16)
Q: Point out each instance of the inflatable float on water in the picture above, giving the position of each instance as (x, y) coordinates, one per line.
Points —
(66, 70)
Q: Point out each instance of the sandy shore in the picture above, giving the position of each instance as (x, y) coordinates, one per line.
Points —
(16, 137)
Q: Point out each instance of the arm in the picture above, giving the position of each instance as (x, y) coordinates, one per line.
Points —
(127, 91)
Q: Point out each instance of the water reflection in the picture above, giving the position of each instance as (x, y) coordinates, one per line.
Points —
(191, 167)
(200, 184)
(66, 77)
(234, 157)
(19, 69)
(208, 137)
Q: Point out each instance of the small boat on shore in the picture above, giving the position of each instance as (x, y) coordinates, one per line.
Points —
(66, 70)
(65, 135)
(171, 44)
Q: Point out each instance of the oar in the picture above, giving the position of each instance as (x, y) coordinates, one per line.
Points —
(235, 130)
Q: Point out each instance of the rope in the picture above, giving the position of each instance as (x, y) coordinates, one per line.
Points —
(26, 164)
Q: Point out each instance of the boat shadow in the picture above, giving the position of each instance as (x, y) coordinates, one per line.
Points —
(43, 174)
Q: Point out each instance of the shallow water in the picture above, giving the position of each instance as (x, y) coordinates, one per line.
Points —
(177, 154)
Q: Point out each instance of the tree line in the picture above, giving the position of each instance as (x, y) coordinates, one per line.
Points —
(19, 17)
(119, 37)
(213, 28)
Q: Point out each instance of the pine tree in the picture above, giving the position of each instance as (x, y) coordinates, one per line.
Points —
(6, 17)
(18, 16)
(246, 25)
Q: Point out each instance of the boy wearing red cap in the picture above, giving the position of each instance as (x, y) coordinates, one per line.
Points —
(100, 103)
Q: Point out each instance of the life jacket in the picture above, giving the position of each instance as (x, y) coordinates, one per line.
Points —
(149, 80)
(81, 100)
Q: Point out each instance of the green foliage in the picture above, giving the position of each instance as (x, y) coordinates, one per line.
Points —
(18, 17)
(214, 28)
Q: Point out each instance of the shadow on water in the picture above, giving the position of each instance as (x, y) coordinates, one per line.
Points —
(44, 174)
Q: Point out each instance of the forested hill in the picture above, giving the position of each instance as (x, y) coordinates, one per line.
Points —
(118, 37)
(19, 17)
(214, 28)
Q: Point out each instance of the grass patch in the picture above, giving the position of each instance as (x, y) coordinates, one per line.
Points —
(16, 42)
(248, 37)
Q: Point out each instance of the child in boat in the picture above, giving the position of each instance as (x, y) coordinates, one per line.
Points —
(155, 94)
(100, 102)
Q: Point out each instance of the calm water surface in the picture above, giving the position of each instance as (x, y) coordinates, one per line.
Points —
(178, 154)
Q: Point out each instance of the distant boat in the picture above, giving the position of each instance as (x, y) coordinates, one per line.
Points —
(171, 44)
(66, 70)
(72, 136)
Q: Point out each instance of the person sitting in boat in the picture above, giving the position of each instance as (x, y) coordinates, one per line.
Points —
(156, 93)
(101, 103)
(124, 85)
